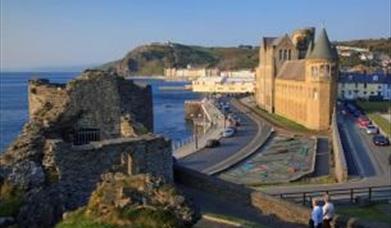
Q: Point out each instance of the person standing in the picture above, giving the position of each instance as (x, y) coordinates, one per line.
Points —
(328, 211)
(316, 214)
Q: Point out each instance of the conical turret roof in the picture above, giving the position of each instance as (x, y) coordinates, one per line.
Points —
(322, 48)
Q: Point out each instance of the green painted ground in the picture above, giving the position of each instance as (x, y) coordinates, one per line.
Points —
(282, 160)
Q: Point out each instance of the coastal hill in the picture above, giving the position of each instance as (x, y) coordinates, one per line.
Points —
(151, 59)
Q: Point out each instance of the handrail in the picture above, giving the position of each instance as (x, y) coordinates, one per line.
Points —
(371, 193)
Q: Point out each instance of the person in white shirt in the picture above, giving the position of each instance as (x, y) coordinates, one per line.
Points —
(316, 214)
(328, 211)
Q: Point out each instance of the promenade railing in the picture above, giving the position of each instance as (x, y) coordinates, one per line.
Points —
(342, 195)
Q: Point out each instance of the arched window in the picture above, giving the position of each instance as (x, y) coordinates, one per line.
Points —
(322, 70)
(315, 71)
(285, 54)
(289, 54)
(328, 70)
(280, 54)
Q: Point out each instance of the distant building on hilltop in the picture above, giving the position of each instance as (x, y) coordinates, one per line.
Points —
(296, 77)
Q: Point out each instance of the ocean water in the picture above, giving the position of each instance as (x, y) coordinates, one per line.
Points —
(168, 106)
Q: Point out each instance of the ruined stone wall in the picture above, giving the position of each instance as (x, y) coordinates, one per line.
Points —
(78, 168)
(96, 99)
(55, 174)
(45, 96)
(136, 97)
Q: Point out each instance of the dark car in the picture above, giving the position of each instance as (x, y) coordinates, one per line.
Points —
(380, 140)
(212, 143)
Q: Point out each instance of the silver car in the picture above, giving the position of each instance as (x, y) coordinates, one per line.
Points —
(370, 130)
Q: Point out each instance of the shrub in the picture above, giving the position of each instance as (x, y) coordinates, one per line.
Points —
(11, 198)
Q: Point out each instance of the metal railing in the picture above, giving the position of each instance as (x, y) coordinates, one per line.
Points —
(345, 195)
(86, 135)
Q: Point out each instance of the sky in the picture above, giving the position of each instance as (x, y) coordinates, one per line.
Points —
(50, 34)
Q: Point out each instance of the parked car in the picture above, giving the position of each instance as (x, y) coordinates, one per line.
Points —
(228, 132)
(370, 130)
(380, 140)
(212, 143)
(363, 122)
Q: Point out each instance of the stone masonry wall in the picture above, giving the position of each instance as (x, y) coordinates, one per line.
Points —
(268, 205)
(341, 169)
(78, 168)
(96, 99)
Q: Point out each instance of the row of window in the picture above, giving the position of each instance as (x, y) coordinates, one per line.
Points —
(356, 84)
(284, 54)
(350, 92)
(322, 70)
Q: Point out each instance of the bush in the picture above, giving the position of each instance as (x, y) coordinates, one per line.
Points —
(11, 198)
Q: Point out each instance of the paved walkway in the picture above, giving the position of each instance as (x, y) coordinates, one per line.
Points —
(322, 161)
(213, 132)
(209, 203)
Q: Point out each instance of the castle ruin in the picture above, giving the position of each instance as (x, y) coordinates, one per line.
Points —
(96, 123)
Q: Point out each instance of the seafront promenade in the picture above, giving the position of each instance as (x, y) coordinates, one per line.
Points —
(213, 128)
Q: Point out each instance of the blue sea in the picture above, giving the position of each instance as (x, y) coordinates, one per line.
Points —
(168, 106)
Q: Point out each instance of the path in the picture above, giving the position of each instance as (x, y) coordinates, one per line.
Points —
(213, 132)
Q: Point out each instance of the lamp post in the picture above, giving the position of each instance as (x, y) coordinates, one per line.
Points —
(195, 136)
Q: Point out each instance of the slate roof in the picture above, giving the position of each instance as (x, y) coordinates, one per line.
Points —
(268, 41)
(322, 48)
(365, 78)
(293, 70)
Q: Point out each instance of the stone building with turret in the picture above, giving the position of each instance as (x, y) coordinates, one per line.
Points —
(296, 77)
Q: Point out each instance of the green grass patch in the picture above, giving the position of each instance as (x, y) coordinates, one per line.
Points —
(374, 106)
(11, 199)
(78, 219)
(139, 218)
(384, 124)
(151, 218)
(302, 181)
(243, 222)
(282, 122)
(375, 212)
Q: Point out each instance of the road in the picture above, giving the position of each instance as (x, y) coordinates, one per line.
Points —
(367, 162)
(208, 157)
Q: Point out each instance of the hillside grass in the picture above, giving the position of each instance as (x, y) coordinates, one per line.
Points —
(78, 219)
(233, 219)
(384, 124)
(374, 212)
(375, 106)
(373, 110)
(282, 122)
(139, 218)
(11, 199)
